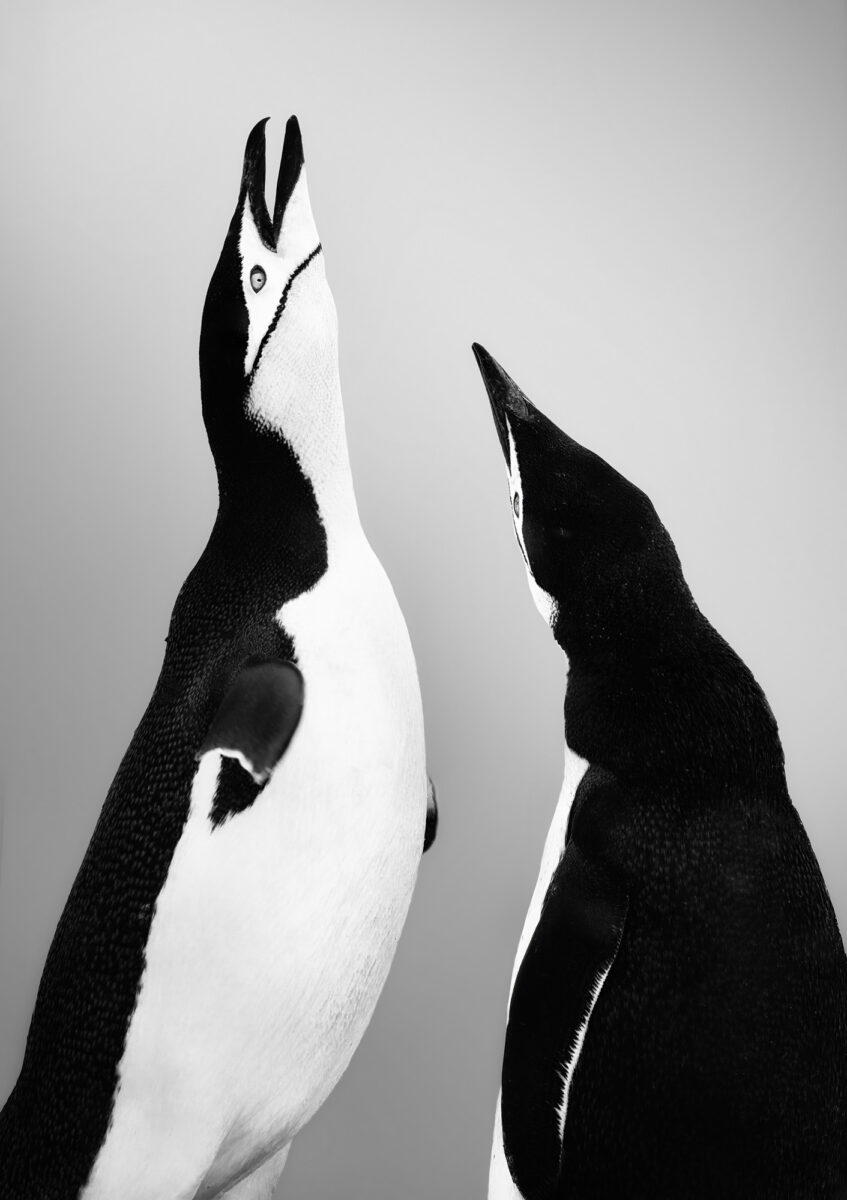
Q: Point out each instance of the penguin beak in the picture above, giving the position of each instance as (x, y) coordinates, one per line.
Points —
(253, 179)
(504, 395)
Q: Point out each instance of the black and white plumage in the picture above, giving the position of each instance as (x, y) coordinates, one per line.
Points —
(677, 1023)
(236, 913)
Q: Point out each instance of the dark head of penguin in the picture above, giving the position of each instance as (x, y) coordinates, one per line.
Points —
(601, 566)
(261, 260)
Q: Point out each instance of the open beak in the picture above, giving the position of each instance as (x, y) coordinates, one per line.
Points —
(253, 179)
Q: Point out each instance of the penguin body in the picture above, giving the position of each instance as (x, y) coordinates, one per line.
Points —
(238, 908)
(274, 930)
(677, 1022)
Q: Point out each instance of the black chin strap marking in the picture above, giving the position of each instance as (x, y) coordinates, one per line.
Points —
(283, 300)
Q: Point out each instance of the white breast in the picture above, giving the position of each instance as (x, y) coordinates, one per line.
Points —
(575, 768)
(274, 933)
(501, 1186)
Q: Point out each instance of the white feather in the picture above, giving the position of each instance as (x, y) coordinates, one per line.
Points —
(274, 932)
(298, 238)
(568, 1068)
(554, 845)
(544, 602)
(500, 1179)
(501, 1186)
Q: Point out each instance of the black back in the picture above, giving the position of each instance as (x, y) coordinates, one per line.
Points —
(714, 1062)
(267, 546)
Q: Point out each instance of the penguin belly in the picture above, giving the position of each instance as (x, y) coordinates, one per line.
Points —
(274, 932)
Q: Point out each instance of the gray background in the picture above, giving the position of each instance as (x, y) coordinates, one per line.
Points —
(638, 208)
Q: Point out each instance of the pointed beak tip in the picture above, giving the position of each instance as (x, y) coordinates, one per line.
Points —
(493, 375)
(257, 131)
(292, 147)
(504, 395)
(481, 355)
(493, 382)
(253, 170)
(290, 166)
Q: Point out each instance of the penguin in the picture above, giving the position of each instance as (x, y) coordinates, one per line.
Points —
(677, 1019)
(237, 910)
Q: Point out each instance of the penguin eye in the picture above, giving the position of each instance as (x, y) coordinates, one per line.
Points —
(257, 279)
(516, 505)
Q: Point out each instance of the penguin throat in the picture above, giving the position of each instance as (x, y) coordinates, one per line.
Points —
(544, 602)
(313, 434)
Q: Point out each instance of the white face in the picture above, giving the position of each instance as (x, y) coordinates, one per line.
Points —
(265, 273)
(292, 345)
(544, 602)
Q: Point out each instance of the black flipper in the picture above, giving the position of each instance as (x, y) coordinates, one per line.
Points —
(574, 945)
(431, 815)
(252, 728)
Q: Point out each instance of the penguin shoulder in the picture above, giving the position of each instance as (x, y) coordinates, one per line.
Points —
(601, 819)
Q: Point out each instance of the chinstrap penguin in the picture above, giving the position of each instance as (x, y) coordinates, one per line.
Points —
(677, 1022)
(238, 908)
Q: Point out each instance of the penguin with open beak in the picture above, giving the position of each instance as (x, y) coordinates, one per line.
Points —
(237, 911)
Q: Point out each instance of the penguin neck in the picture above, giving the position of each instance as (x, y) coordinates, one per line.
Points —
(679, 704)
(302, 407)
(289, 483)
(619, 637)
(320, 448)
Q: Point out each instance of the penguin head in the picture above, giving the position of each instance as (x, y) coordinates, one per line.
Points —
(600, 564)
(268, 341)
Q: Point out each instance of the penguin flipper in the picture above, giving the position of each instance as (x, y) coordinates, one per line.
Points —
(431, 815)
(559, 981)
(257, 716)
